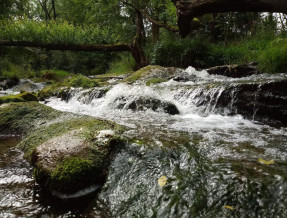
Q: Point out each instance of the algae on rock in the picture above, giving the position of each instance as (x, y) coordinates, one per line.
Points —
(68, 152)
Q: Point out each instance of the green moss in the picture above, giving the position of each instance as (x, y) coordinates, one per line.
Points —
(155, 81)
(67, 172)
(140, 73)
(21, 118)
(22, 97)
(73, 174)
(45, 133)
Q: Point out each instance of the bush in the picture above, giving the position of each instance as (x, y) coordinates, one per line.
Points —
(181, 52)
(123, 64)
(56, 75)
(274, 58)
(82, 81)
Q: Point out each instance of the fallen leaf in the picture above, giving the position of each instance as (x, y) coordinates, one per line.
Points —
(266, 162)
(162, 181)
(228, 207)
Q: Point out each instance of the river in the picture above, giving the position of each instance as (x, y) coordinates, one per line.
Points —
(206, 161)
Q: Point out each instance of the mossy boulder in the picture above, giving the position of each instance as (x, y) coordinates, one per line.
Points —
(22, 97)
(152, 74)
(74, 160)
(22, 118)
(68, 152)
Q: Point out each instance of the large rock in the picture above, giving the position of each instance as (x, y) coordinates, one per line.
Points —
(147, 74)
(69, 152)
(9, 83)
(265, 102)
(235, 71)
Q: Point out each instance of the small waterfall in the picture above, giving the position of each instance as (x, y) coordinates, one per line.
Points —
(199, 93)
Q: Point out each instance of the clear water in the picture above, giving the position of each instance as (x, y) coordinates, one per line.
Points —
(215, 165)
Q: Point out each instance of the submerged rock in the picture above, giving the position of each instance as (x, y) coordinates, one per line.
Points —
(26, 85)
(68, 152)
(142, 104)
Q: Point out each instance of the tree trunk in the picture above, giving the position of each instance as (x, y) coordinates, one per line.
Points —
(54, 9)
(136, 48)
(188, 9)
(70, 47)
(155, 33)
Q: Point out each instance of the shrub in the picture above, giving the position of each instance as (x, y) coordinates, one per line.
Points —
(274, 58)
(181, 52)
(123, 64)
(82, 81)
(56, 75)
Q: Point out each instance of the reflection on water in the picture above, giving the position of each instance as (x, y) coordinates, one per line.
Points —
(20, 196)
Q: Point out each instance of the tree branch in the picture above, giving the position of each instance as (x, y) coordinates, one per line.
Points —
(151, 19)
(70, 47)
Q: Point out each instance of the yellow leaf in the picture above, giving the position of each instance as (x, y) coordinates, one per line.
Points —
(228, 207)
(266, 162)
(162, 181)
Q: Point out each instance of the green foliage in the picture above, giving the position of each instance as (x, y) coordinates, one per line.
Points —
(171, 51)
(55, 75)
(52, 32)
(274, 58)
(82, 81)
(123, 64)
(13, 70)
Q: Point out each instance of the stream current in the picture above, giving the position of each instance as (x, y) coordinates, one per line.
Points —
(215, 164)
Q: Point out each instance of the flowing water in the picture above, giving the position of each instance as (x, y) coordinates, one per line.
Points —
(214, 163)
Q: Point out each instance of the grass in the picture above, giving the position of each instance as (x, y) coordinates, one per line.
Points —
(124, 64)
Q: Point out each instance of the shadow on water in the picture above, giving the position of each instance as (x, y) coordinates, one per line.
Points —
(20, 196)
